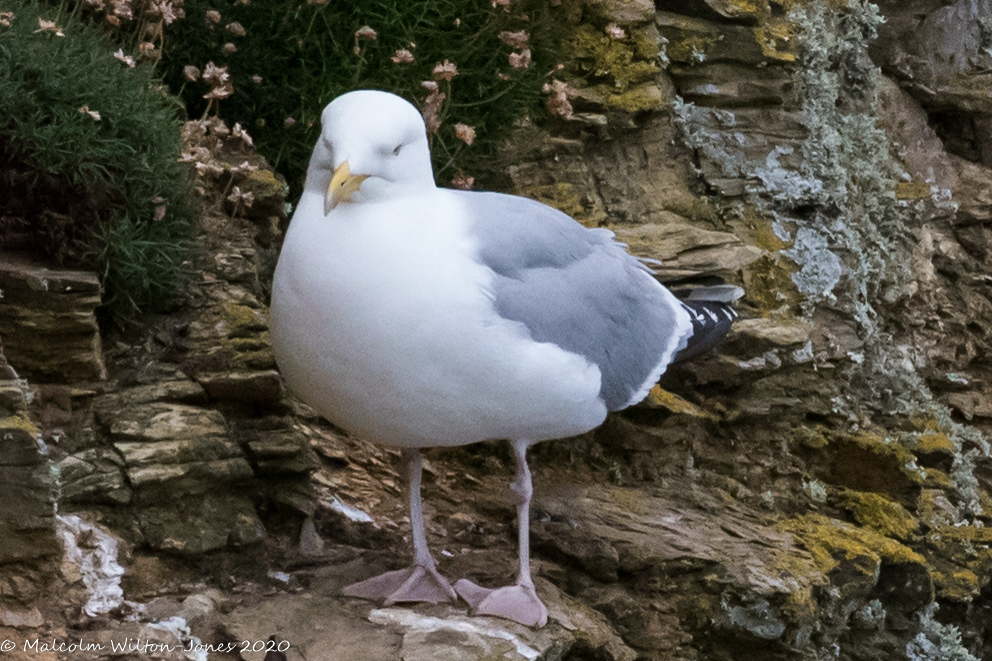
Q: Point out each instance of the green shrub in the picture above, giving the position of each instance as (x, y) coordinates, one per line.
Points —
(295, 57)
(89, 151)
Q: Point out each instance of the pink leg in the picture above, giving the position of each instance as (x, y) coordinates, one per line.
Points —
(420, 581)
(517, 602)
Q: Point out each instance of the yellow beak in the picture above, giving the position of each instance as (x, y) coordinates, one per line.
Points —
(343, 185)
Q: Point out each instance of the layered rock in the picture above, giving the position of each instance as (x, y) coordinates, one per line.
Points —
(48, 321)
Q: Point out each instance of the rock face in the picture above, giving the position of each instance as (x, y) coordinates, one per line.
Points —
(819, 487)
(47, 322)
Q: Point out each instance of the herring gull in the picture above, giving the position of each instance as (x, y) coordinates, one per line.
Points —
(417, 316)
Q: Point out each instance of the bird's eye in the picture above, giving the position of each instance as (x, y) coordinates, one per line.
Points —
(396, 152)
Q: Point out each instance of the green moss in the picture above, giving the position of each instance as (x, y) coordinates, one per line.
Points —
(811, 438)
(243, 321)
(694, 208)
(620, 71)
(596, 55)
(645, 42)
(246, 344)
(639, 99)
(691, 47)
(880, 514)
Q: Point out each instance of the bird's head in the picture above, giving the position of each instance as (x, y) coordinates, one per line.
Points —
(372, 147)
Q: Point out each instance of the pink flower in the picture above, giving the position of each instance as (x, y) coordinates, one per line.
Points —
(160, 212)
(463, 181)
(365, 32)
(238, 196)
(239, 132)
(235, 28)
(212, 17)
(85, 110)
(558, 104)
(191, 73)
(122, 9)
(505, 4)
(256, 79)
(432, 107)
(520, 60)
(215, 75)
(615, 31)
(49, 26)
(5, 18)
(169, 14)
(126, 59)
(446, 70)
(515, 39)
(228, 49)
(465, 133)
(221, 92)
(403, 56)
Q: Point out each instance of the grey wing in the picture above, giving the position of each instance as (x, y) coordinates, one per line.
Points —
(579, 289)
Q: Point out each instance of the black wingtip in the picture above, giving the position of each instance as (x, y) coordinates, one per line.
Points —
(711, 321)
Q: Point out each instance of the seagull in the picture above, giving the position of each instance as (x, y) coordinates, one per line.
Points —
(417, 316)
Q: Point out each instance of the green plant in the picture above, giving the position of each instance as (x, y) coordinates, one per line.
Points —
(89, 151)
(287, 59)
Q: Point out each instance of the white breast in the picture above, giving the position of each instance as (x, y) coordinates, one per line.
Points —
(382, 320)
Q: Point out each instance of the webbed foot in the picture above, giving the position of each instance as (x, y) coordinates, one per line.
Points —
(416, 583)
(519, 603)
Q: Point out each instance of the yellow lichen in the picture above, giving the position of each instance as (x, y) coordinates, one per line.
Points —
(768, 284)
(668, 400)
(776, 40)
(957, 585)
(626, 499)
(913, 190)
(827, 540)
(937, 479)
(963, 560)
(933, 442)
(881, 514)
(801, 606)
(565, 197)
(879, 445)
(18, 422)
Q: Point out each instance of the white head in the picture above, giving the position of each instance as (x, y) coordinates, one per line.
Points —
(372, 147)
